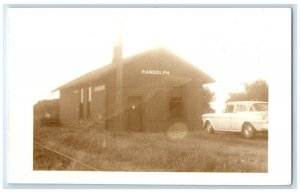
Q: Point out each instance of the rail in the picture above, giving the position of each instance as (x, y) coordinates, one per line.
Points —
(66, 156)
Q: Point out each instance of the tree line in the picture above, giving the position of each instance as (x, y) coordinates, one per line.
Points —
(254, 91)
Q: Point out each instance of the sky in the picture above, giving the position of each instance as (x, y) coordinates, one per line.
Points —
(47, 47)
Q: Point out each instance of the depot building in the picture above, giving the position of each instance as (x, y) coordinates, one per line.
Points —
(147, 92)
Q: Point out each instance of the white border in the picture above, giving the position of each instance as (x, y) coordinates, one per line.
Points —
(279, 148)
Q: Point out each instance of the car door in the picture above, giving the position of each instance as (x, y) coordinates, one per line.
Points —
(237, 118)
(226, 118)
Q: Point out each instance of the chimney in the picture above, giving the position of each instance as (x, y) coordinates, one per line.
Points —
(117, 53)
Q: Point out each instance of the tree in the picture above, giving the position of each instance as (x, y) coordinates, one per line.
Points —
(43, 107)
(255, 91)
(207, 97)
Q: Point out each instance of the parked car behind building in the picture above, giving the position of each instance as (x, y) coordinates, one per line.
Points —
(247, 117)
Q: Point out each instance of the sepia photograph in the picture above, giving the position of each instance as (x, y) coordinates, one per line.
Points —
(149, 89)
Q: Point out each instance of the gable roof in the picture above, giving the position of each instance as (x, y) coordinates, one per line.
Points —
(100, 72)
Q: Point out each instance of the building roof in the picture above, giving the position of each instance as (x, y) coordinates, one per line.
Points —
(100, 72)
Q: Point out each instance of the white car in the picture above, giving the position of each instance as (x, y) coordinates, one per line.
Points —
(247, 117)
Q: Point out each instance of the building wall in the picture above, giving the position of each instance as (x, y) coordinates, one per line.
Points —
(194, 105)
(98, 108)
(68, 103)
(154, 90)
(70, 100)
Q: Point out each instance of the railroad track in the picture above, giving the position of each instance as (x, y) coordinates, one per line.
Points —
(66, 156)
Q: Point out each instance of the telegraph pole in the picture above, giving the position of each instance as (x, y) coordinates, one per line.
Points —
(117, 61)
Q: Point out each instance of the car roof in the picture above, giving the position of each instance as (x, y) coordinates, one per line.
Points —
(245, 102)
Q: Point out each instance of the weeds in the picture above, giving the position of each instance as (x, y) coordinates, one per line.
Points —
(106, 151)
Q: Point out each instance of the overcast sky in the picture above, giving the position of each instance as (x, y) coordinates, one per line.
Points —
(48, 47)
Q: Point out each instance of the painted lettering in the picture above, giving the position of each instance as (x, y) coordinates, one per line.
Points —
(156, 72)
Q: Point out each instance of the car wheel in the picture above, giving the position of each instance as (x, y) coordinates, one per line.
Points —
(248, 131)
(209, 128)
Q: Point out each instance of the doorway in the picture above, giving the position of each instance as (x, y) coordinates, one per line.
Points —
(135, 114)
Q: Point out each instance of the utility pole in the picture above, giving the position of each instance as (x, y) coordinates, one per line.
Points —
(117, 61)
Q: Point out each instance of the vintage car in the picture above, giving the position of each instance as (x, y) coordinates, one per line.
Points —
(247, 117)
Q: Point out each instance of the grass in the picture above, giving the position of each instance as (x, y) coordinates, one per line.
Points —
(192, 152)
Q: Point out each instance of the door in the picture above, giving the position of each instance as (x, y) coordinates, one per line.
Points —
(227, 118)
(135, 114)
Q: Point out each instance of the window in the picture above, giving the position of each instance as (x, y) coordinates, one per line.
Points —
(99, 88)
(229, 109)
(259, 107)
(81, 104)
(240, 108)
(176, 107)
(88, 106)
(90, 94)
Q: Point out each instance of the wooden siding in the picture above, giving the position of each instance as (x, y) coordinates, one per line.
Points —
(154, 91)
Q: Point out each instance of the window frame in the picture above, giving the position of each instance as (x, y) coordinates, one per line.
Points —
(227, 107)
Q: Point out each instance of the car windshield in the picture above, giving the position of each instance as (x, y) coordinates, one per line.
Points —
(259, 107)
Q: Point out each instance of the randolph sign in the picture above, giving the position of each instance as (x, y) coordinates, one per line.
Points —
(156, 72)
